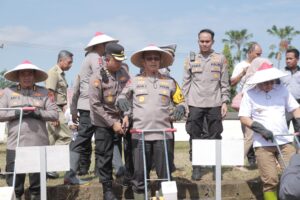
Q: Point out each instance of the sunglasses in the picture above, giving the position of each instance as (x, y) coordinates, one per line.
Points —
(155, 58)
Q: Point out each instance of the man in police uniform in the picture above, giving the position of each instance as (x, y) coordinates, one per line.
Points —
(59, 133)
(151, 94)
(206, 90)
(34, 131)
(80, 101)
(105, 86)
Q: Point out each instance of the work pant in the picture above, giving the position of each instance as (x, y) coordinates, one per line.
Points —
(104, 140)
(128, 155)
(82, 144)
(266, 161)
(153, 150)
(59, 135)
(34, 179)
(117, 155)
(204, 123)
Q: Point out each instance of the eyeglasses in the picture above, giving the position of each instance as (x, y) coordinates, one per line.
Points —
(155, 58)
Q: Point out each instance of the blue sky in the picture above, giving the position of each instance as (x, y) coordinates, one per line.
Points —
(38, 29)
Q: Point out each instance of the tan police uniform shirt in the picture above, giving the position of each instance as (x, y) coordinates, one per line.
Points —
(151, 98)
(33, 131)
(91, 65)
(57, 82)
(206, 81)
(103, 95)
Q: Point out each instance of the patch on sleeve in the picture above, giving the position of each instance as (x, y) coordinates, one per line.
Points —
(96, 83)
(1, 93)
(51, 96)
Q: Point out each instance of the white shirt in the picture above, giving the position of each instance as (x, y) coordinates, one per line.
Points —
(237, 70)
(269, 110)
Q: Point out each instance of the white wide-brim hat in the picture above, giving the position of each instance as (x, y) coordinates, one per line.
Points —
(265, 71)
(99, 38)
(166, 58)
(39, 75)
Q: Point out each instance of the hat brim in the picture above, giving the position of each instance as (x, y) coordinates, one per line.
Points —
(166, 58)
(39, 76)
(99, 40)
(119, 58)
(266, 75)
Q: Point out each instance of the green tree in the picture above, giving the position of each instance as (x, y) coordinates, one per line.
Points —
(285, 36)
(237, 39)
(230, 64)
(3, 82)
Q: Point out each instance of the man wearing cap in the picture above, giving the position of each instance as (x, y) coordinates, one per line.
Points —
(91, 64)
(150, 95)
(59, 133)
(292, 80)
(263, 110)
(33, 127)
(105, 86)
(206, 91)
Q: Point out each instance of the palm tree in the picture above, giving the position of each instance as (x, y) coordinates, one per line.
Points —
(237, 39)
(285, 35)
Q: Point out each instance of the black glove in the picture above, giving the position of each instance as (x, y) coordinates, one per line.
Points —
(36, 114)
(25, 114)
(260, 129)
(123, 104)
(179, 112)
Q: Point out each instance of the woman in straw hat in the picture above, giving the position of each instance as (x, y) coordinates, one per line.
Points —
(150, 94)
(263, 110)
(33, 127)
(81, 147)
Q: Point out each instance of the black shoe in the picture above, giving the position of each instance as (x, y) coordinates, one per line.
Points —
(196, 174)
(52, 175)
(252, 163)
(83, 171)
(18, 198)
(109, 195)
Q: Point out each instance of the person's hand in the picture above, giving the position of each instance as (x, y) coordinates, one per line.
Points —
(75, 119)
(179, 112)
(117, 127)
(55, 123)
(260, 129)
(36, 114)
(123, 104)
(125, 124)
(224, 110)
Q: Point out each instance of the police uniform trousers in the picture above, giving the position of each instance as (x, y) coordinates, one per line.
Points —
(128, 157)
(266, 158)
(34, 178)
(195, 123)
(83, 142)
(104, 140)
(155, 152)
(60, 135)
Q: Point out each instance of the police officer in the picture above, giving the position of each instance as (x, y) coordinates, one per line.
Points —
(33, 127)
(105, 86)
(80, 101)
(59, 133)
(206, 90)
(150, 94)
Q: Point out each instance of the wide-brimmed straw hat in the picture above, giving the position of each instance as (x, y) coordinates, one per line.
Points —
(99, 38)
(166, 58)
(265, 71)
(39, 75)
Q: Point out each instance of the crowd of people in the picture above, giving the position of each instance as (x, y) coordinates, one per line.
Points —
(108, 102)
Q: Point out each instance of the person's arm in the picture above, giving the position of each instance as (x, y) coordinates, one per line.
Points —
(187, 79)
(5, 115)
(50, 112)
(74, 102)
(235, 80)
(225, 89)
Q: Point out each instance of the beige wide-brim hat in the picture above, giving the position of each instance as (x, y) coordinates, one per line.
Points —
(166, 58)
(39, 76)
(265, 71)
(99, 38)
